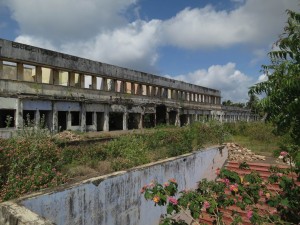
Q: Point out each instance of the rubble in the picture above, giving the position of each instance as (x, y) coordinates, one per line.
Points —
(240, 154)
(68, 136)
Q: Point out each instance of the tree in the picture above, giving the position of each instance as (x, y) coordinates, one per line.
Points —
(282, 89)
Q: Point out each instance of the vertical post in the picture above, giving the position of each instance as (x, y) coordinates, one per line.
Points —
(132, 88)
(19, 114)
(37, 118)
(125, 121)
(177, 121)
(106, 118)
(69, 120)
(54, 118)
(38, 75)
(1, 69)
(55, 76)
(71, 79)
(20, 71)
(83, 117)
(94, 82)
(81, 80)
(104, 84)
(140, 126)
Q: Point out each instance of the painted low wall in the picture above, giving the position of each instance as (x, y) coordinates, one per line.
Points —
(116, 198)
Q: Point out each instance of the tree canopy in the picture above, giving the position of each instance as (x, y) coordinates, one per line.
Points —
(282, 88)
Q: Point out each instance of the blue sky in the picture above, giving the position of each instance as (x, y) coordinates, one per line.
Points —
(215, 43)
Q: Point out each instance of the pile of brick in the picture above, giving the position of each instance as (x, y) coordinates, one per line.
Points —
(67, 136)
(240, 154)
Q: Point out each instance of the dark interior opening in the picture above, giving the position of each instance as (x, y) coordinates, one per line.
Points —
(161, 111)
(45, 119)
(183, 120)
(100, 121)
(62, 120)
(149, 120)
(133, 121)
(89, 118)
(115, 121)
(7, 118)
(172, 117)
(75, 119)
(29, 118)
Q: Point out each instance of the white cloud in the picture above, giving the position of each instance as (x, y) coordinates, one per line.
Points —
(254, 22)
(233, 83)
(262, 78)
(67, 20)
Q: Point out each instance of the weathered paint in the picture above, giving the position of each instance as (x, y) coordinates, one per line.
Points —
(116, 198)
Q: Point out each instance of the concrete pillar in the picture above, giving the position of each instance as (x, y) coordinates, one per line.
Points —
(54, 118)
(148, 90)
(123, 87)
(141, 121)
(196, 117)
(37, 117)
(114, 85)
(81, 80)
(158, 92)
(103, 84)
(188, 122)
(106, 118)
(132, 88)
(71, 79)
(19, 114)
(20, 71)
(125, 121)
(55, 76)
(94, 82)
(1, 69)
(94, 121)
(38, 74)
(83, 117)
(69, 120)
(167, 118)
(177, 121)
(139, 89)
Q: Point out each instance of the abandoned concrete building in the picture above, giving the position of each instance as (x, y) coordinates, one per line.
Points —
(72, 93)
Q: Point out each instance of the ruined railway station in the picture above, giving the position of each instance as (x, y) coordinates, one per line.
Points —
(72, 93)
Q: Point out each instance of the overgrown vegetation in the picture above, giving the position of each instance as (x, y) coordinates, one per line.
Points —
(34, 160)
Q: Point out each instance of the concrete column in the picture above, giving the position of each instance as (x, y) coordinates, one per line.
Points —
(196, 117)
(139, 89)
(167, 118)
(188, 122)
(141, 121)
(1, 69)
(103, 84)
(125, 121)
(19, 114)
(114, 85)
(37, 117)
(83, 118)
(153, 90)
(132, 88)
(94, 82)
(54, 118)
(123, 87)
(148, 90)
(69, 120)
(159, 92)
(38, 75)
(71, 79)
(94, 121)
(20, 71)
(106, 118)
(81, 80)
(55, 76)
(177, 121)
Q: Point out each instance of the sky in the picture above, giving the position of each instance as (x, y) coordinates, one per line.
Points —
(218, 44)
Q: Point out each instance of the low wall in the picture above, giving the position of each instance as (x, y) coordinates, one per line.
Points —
(116, 198)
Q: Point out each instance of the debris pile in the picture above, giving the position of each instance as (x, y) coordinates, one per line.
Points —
(240, 154)
(68, 136)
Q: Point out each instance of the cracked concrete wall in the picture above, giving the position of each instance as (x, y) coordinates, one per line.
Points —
(116, 198)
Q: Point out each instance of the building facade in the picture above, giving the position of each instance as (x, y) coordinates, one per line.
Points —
(66, 92)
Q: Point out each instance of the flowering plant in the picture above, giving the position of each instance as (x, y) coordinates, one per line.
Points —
(233, 198)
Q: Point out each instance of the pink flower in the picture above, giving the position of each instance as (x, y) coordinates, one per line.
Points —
(260, 193)
(227, 181)
(280, 174)
(166, 184)
(173, 200)
(143, 189)
(234, 187)
(249, 214)
(283, 153)
(172, 180)
(206, 205)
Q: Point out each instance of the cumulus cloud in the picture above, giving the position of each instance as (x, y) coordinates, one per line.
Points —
(67, 20)
(233, 83)
(253, 22)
